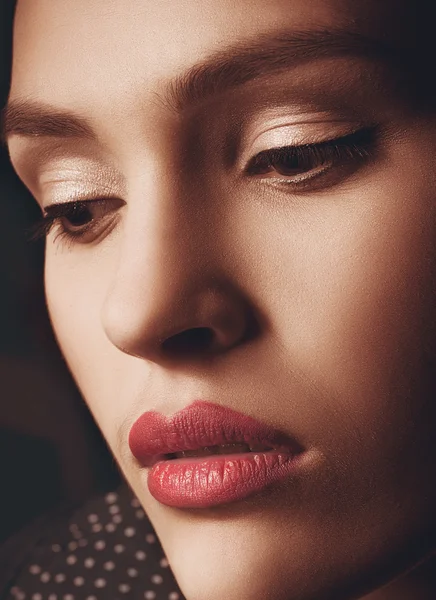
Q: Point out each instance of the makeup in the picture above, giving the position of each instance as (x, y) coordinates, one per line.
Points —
(206, 455)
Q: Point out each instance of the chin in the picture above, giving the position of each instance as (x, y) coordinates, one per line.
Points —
(226, 560)
(219, 575)
(264, 560)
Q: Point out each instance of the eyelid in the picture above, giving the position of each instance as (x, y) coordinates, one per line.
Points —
(84, 189)
(297, 134)
(56, 209)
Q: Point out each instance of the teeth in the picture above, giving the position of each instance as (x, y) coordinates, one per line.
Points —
(203, 452)
(234, 448)
(222, 449)
(259, 448)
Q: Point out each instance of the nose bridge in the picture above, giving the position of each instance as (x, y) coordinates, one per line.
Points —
(163, 246)
(169, 278)
(158, 254)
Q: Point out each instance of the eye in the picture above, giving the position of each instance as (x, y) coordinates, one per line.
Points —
(77, 216)
(289, 161)
(82, 220)
(301, 164)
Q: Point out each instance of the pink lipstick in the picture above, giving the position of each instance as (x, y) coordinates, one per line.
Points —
(206, 455)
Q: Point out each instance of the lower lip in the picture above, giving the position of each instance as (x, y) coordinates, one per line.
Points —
(203, 482)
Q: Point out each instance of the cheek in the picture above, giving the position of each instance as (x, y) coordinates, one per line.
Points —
(348, 283)
(75, 289)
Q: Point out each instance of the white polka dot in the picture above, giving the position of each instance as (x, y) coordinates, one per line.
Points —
(82, 543)
(150, 538)
(132, 572)
(56, 548)
(35, 569)
(149, 595)
(117, 518)
(118, 548)
(156, 578)
(72, 546)
(78, 581)
(140, 555)
(100, 545)
(45, 577)
(92, 518)
(164, 563)
(174, 596)
(111, 497)
(71, 560)
(53, 597)
(135, 503)
(129, 531)
(110, 527)
(77, 535)
(100, 582)
(140, 514)
(109, 565)
(97, 527)
(91, 597)
(18, 593)
(68, 597)
(124, 588)
(89, 563)
(114, 509)
(37, 597)
(59, 578)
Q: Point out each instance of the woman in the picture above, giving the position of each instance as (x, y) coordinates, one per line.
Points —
(239, 202)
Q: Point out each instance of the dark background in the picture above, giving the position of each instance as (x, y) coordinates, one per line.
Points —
(51, 451)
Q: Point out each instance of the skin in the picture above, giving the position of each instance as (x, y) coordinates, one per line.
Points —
(334, 282)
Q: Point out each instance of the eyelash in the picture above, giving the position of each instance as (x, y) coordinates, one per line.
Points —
(55, 213)
(313, 161)
(320, 159)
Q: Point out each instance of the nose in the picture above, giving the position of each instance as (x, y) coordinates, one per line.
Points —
(171, 299)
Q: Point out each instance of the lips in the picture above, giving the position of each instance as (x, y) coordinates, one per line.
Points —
(154, 437)
(258, 458)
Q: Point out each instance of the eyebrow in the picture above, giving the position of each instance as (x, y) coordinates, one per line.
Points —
(226, 69)
(36, 119)
(267, 54)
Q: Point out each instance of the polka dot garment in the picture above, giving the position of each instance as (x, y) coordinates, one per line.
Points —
(105, 550)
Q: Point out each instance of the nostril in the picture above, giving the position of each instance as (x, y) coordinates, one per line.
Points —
(190, 341)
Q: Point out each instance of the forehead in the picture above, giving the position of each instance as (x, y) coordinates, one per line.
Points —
(57, 41)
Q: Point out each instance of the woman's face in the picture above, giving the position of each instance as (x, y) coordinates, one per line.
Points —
(313, 270)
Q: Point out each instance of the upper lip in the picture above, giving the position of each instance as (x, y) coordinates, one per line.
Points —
(199, 425)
